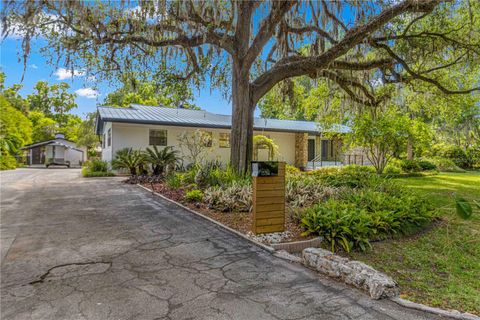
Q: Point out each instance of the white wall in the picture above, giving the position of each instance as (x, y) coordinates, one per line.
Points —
(136, 136)
(107, 150)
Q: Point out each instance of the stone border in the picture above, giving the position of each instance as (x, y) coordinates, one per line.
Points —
(297, 246)
(282, 254)
(238, 233)
(355, 273)
(454, 314)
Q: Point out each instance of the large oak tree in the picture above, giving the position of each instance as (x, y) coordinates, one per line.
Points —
(250, 46)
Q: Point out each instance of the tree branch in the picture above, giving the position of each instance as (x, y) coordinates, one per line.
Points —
(419, 76)
(306, 65)
(267, 28)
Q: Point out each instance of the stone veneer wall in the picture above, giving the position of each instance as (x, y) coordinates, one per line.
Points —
(301, 153)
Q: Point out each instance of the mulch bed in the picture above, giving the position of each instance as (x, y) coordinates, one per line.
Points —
(240, 221)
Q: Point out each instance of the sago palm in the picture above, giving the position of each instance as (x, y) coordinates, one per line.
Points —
(128, 159)
(161, 159)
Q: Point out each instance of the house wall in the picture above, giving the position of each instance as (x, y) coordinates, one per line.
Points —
(136, 136)
(107, 151)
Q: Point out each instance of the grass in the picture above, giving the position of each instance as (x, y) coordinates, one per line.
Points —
(440, 267)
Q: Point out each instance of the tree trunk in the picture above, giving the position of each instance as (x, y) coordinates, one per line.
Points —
(241, 137)
(410, 149)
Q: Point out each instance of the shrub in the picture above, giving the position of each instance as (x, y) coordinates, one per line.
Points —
(194, 195)
(129, 159)
(235, 197)
(97, 165)
(303, 191)
(174, 180)
(410, 166)
(212, 174)
(427, 165)
(92, 174)
(291, 170)
(445, 165)
(96, 168)
(365, 215)
(7, 161)
(352, 176)
(393, 170)
(161, 159)
(457, 155)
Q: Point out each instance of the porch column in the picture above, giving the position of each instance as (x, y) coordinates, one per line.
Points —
(301, 145)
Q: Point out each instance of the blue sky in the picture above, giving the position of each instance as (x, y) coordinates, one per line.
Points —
(87, 98)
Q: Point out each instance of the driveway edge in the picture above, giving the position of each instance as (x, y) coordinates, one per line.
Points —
(238, 233)
(453, 314)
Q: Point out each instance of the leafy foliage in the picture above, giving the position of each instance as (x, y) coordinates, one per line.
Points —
(196, 145)
(236, 197)
(129, 159)
(15, 132)
(194, 195)
(366, 215)
(163, 89)
(161, 159)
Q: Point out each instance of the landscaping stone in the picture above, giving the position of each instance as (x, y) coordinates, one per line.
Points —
(270, 238)
(355, 273)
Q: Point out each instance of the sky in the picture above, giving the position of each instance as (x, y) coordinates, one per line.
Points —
(89, 93)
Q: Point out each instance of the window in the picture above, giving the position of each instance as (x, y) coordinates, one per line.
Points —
(157, 138)
(109, 137)
(104, 140)
(224, 140)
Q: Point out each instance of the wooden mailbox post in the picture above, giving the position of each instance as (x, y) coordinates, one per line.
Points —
(269, 201)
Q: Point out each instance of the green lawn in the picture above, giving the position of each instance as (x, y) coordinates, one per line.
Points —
(440, 267)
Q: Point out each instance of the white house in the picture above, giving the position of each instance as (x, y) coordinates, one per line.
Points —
(58, 151)
(138, 127)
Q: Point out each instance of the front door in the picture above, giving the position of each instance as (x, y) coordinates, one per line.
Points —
(324, 149)
(36, 155)
(311, 149)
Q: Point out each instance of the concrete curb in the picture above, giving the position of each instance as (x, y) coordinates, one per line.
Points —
(453, 314)
(258, 244)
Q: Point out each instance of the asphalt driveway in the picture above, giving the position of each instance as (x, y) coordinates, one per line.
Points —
(76, 248)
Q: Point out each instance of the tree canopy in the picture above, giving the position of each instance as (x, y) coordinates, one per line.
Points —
(250, 46)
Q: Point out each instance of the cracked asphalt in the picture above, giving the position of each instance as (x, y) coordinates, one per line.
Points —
(76, 248)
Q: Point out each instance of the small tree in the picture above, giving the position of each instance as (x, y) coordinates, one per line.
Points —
(381, 136)
(196, 144)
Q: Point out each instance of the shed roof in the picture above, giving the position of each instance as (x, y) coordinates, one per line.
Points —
(199, 118)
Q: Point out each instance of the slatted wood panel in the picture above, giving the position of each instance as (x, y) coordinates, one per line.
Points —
(269, 202)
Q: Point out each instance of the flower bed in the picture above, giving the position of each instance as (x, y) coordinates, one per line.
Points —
(240, 221)
(349, 207)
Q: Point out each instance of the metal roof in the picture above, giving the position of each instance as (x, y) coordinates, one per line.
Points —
(199, 118)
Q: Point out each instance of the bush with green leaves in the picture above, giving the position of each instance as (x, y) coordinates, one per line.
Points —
(410, 166)
(96, 168)
(129, 159)
(236, 197)
(392, 170)
(161, 159)
(352, 176)
(366, 215)
(175, 180)
(212, 174)
(194, 195)
(445, 165)
(302, 191)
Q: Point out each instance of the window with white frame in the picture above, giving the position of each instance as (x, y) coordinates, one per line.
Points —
(109, 137)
